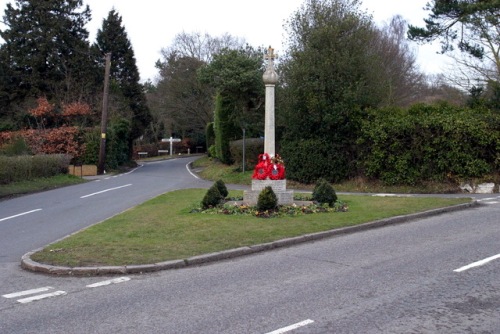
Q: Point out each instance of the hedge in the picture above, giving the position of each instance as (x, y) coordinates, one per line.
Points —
(29, 167)
(429, 142)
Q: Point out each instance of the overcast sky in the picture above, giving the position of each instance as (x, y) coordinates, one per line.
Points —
(152, 24)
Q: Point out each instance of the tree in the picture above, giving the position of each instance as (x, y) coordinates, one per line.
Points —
(181, 102)
(126, 88)
(237, 77)
(328, 81)
(472, 27)
(182, 105)
(46, 49)
(201, 46)
(399, 76)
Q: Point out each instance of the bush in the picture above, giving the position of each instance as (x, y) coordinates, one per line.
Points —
(310, 159)
(253, 147)
(27, 167)
(17, 146)
(267, 199)
(222, 188)
(324, 193)
(212, 198)
(429, 143)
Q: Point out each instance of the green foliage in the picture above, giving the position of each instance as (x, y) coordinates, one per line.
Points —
(212, 151)
(324, 193)
(329, 80)
(18, 146)
(117, 144)
(212, 198)
(27, 167)
(125, 86)
(463, 22)
(435, 143)
(237, 77)
(267, 199)
(225, 130)
(210, 134)
(46, 43)
(92, 139)
(253, 147)
(307, 160)
(221, 186)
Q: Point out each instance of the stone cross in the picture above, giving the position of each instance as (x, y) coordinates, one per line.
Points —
(270, 78)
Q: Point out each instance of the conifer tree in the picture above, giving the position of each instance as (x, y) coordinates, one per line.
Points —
(46, 48)
(112, 38)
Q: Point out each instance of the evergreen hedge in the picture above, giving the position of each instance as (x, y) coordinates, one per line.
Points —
(29, 167)
(430, 142)
(225, 130)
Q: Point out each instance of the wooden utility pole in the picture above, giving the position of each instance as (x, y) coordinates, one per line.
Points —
(104, 117)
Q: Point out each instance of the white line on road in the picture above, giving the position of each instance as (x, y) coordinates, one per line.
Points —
(27, 292)
(40, 297)
(292, 327)
(20, 214)
(106, 190)
(478, 263)
(111, 281)
(187, 167)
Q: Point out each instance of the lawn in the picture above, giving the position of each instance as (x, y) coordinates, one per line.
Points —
(164, 228)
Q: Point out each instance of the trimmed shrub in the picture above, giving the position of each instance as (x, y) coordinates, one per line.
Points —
(212, 198)
(27, 167)
(267, 199)
(307, 160)
(225, 130)
(429, 143)
(221, 186)
(324, 193)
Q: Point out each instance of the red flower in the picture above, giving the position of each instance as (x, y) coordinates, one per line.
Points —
(261, 171)
(276, 172)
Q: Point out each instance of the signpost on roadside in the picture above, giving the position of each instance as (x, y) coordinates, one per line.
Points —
(171, 141)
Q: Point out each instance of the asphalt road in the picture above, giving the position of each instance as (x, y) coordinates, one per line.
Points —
(406, 278)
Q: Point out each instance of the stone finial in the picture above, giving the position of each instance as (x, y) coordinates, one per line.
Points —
(270, 76)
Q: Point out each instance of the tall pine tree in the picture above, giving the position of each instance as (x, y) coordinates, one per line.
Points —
(126, 87)
(46, 49)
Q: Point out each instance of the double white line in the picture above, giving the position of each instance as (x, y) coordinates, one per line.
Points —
(32, 292)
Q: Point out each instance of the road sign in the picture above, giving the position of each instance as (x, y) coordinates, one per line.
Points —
(171, 140)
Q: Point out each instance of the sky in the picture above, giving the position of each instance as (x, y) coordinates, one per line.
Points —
(152, 24)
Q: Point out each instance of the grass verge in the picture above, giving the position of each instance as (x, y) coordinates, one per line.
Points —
(213, 170)
(36, 185)
(164, 229)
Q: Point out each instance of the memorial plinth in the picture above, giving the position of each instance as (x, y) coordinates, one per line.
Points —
(283, 195)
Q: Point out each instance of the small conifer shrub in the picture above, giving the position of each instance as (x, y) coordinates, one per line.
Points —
(267, 199)
(324, 193)
(212, 198)
(221, 186)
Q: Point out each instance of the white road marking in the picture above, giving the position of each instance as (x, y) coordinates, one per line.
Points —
(20, 214)
(106, 190)
(108, 282)
(187, 167)
(478, 263)
(292, 327)
(40, 297)
(27, 292)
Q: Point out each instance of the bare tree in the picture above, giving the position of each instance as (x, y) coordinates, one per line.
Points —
(398, 69)
(201, 46)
